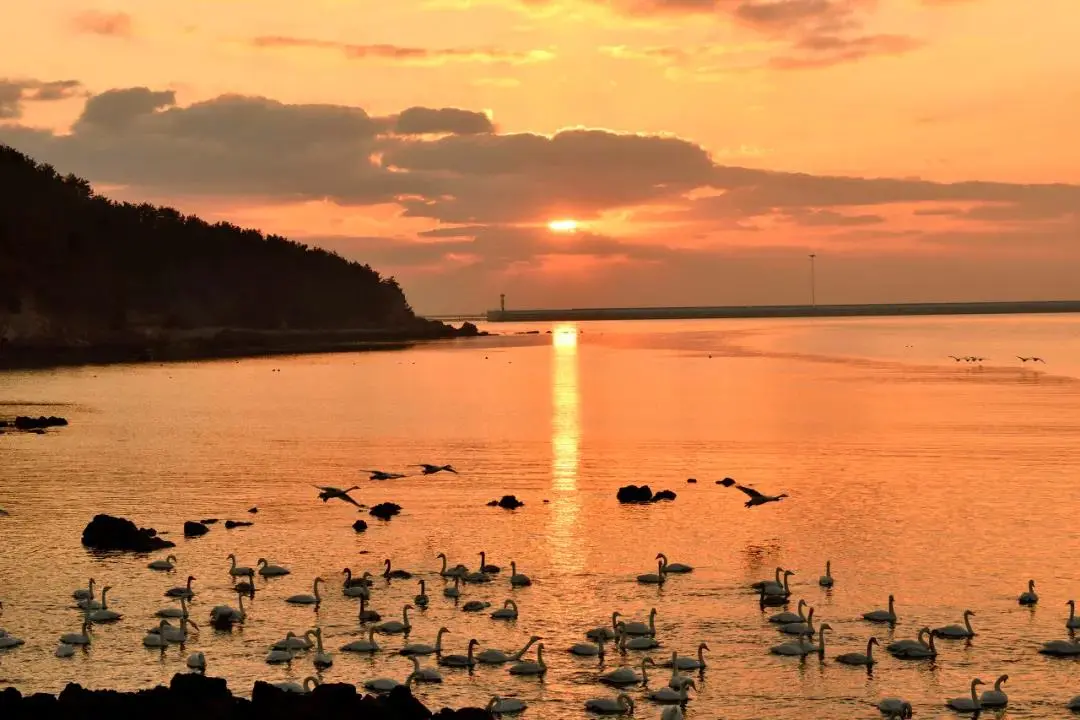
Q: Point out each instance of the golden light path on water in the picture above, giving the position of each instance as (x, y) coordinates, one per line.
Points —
(565, 440)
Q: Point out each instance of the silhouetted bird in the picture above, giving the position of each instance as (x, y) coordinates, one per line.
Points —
(382, 475)
(757, 498)
(432, 469)
(329, 493)
(1037, 359)
(957, 359)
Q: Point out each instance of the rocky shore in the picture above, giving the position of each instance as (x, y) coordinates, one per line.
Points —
(167, 346)
(194, 696)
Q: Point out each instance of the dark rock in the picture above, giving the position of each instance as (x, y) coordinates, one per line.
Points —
(634, 494)
(726, 482)
(546, 501)
(385, 511)
(467, 329)
(468, 713)
(200, 688)
(209, 521)
(106, 532)
(691, 481)
(509, 502)
(359, 526)
(195, 529)
(23, 422)
(401, 704)
(230, 524)
(253, 510)
(663, 495)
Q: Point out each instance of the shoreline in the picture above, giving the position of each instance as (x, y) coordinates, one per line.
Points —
(222, 344)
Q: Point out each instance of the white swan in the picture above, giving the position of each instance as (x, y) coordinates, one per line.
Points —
(805, 627)
(859, 658)
(626, 676)
(197, 661)
(995, 698)
(182, 592)
(518, 579)
(173, 612)
(1030, 597)
(304, 599)
(670, 567)
(456, 571)
(641, 642)
(178, 635)
(623, 704)
(529, 667)
(459, 661)
(677, 679)
(505, 706)
(293, 641)
(277, 657)
(224, 616)
(485, 567)
(428, 675)
(167, 564)
(1073, 622)
(667, 696)
(268, 570)
(604, 632)
(395, 574)
(424, 649)
(637, 628)
(104, 614)
(362, 646)
(1061, 648)
(455, 591)
(365, 615)
(784, 590)
(790, 617)
(895, 707)
(588, 649)
(918, 652)
(157, 639)
(64, 650)
(421, 600)
(509, 611)
(760, 584)
(498, 657)
(958, 632)
(350, 581)
(826, 580)
(86, 593)
(688, 662)
(322, 659)
(395, 627)
(799, 647)
(356, 588)
(297, 688)
(902, 645)
(385, 685)
(967, 704)
(773, 600)
(79, 638)
(238, 570)
(882, 616)
(656, 578)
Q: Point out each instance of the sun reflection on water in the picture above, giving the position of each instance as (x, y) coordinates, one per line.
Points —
(565, 440)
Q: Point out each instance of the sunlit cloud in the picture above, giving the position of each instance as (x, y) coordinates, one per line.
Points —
(406, 55)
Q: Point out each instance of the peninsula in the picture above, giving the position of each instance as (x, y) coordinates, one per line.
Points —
(85, 279)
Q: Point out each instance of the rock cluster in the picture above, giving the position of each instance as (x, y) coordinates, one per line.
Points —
(106, 532)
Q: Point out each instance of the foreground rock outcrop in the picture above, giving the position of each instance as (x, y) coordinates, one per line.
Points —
(106, 532)
(194, 696)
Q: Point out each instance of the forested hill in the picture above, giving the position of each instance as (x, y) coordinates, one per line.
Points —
(75, 266)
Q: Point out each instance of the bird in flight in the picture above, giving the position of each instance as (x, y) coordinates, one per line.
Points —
(329, 493)
(432, 469)
(957, 359)
(383, 475)
(757, 498)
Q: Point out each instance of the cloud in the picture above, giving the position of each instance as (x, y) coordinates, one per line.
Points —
(421, 120)
(13, 93)
(109, 24)
(406, 55)
(828, 50)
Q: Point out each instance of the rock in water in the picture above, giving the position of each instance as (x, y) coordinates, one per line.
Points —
(230, 524)
(106, 532)
(635, 494)
(691, 480)
(664, 495)
(359, 526)
(31, 423)
(209, 521)
(386, 510)
(253, 510)
(194, 529)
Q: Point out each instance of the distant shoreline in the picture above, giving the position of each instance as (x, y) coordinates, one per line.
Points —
(785, 311)
(220, 344)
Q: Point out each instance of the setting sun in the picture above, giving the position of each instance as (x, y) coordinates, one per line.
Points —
(563, 226)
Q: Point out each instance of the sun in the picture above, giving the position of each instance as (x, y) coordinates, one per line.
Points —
(563, 226)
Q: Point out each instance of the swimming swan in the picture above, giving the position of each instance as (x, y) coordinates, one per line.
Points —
(637, 628)
(498, 657)
(395, 574)
(800, 628)
(965, 704)
(421, 599)
(362, 646)
(685, 662)
(656, 578)
(182, 592)
(304, 599)
(859, 658)
(505, 706)
(518, 579)
(461, 661)
(882, 616)
(604, 632)
(1073, 622)
(1030, 597)
(509, 611)
(268, 570)
(790, 617)
(322, 659)
(456, 571)
(104, 614)
(667, 696)
(395, 627)
(298, 688)
(238, 571)
(901, 645)
(167, 564)
(826, 580)
(995, 698)
(959, 632)
(626, 676)
(428, 675)
(670, 567)
(424, 649)
(621, 705)
(529, 667)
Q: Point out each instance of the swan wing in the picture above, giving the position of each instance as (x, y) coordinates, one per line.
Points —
(749, 491)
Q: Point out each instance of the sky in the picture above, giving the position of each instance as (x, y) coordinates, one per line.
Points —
(574, 153)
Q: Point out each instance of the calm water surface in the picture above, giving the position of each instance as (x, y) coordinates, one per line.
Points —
(946, 484)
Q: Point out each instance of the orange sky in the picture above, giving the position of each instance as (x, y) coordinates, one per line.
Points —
(924, 149)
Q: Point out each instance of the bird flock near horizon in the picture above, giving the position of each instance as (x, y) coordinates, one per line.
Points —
(979, 360)
(671, 693)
